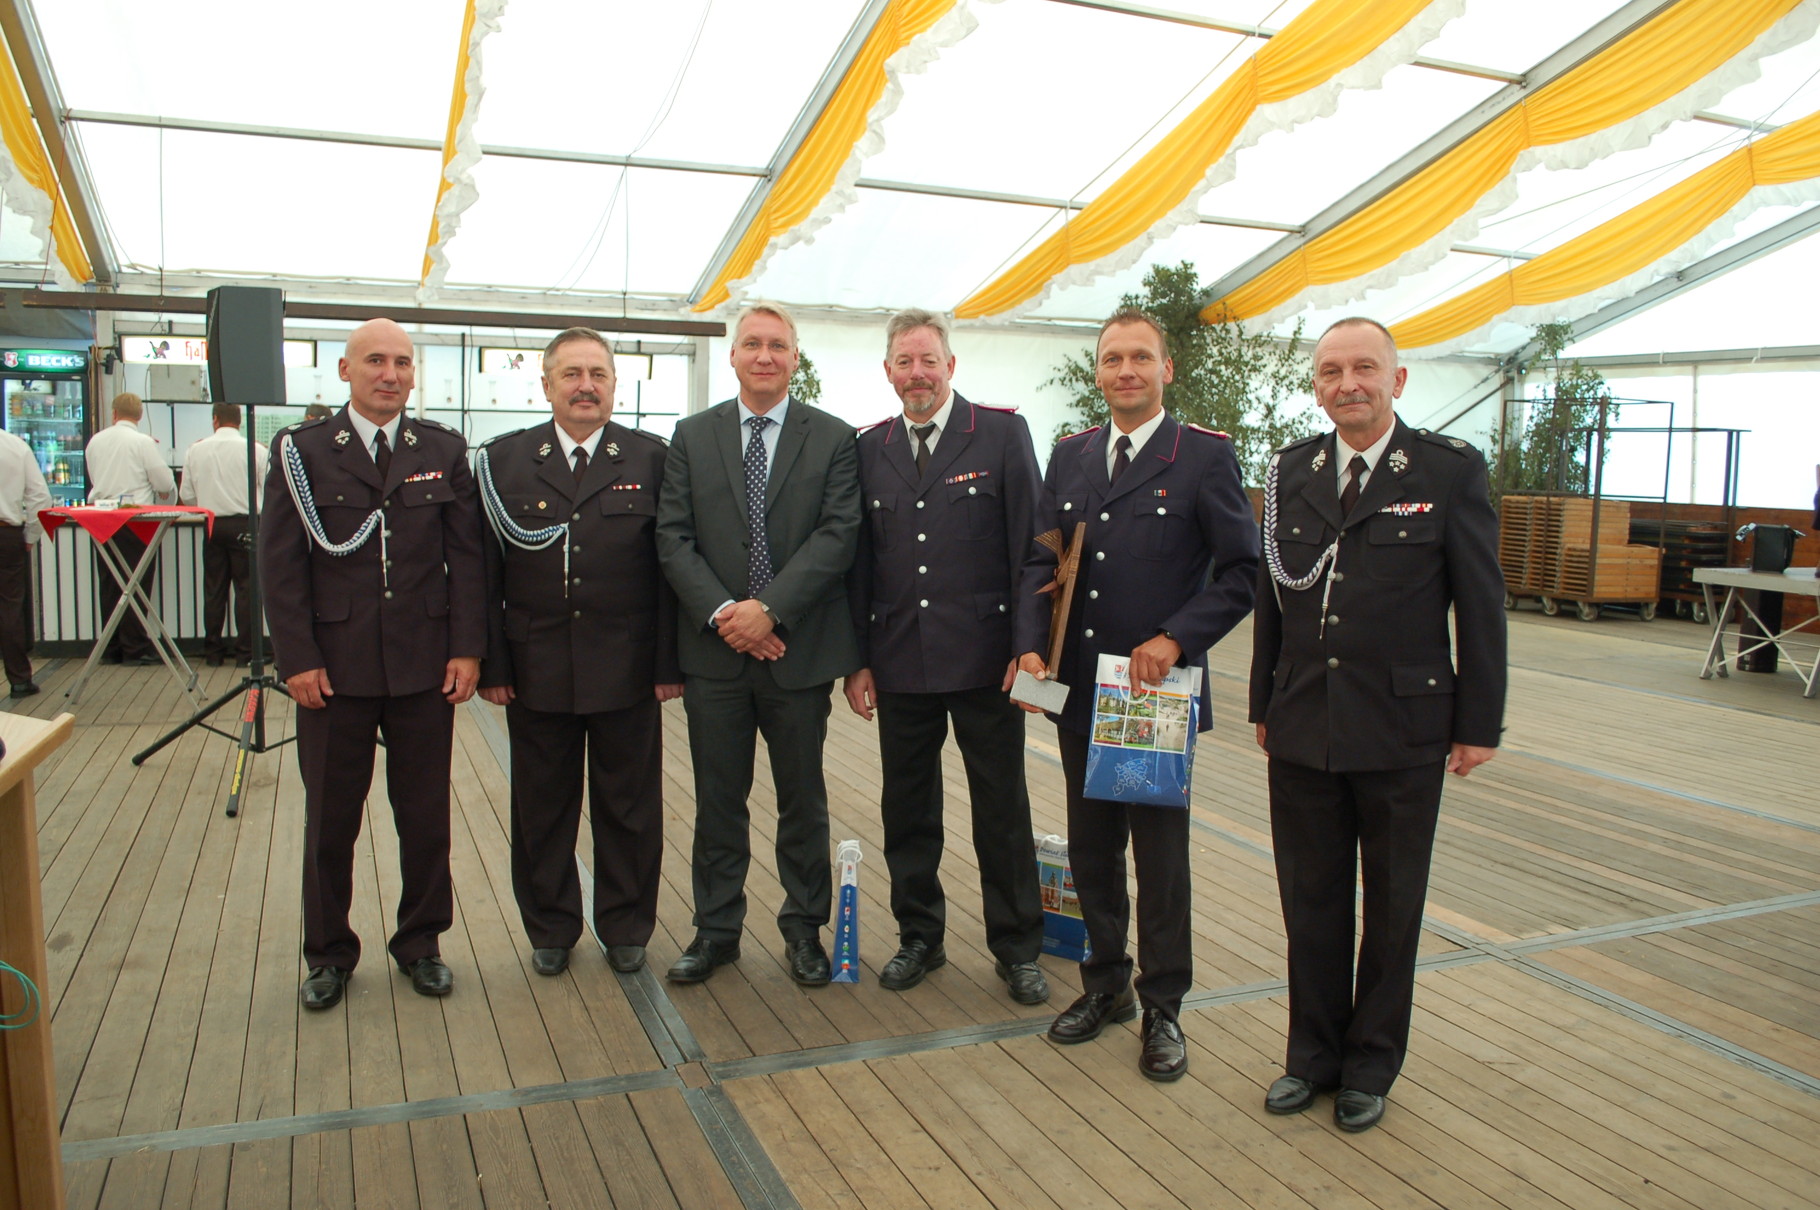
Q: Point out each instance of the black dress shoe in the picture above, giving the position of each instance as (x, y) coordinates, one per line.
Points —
(1292, 1094)
(625, 958)
(143, 661)
(215, 660)
(1165, 1054)
(429, 976)
(700, 959)
(1354, 1111)
(1083, 1020)
(807, 960)
(913, 960)
(550, 959)
(323, 987)
(1026, 980)
(24, 688)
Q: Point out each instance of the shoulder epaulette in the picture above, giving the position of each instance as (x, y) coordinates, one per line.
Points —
(993, 407)
(1201, 428)
(1083, 433)
(1456, 444)
(877, 424)
(651, 437)
(1299, 444)
(435, 424)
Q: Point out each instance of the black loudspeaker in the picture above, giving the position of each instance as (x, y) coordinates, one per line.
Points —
(246, 345)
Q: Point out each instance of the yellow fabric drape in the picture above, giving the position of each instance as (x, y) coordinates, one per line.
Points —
(810, 174)
(1630, 243)
(26, 147)
(1330, 36)
(458, 106)
(1640, 71)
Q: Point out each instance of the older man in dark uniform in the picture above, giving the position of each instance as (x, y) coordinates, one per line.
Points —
(581, 651)
(1371, 533)
(1166, 570)
(375, 589)
(950, 487)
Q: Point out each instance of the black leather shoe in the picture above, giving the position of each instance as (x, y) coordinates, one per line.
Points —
(808, 961)
(700, 959)
(323, 987)
(1354, 1111)
(1083, 1020)
(25, 688)
(1292, 1094)
(1165, 1055)
(430, 976)
(625, 958)
(142, 661)
(913, 960)
(1026, 980)
(550, 959)
(215, 660)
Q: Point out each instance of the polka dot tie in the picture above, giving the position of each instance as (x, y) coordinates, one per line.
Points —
(758, 558)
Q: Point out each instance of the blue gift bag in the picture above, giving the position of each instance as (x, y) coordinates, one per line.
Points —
(1141, 748)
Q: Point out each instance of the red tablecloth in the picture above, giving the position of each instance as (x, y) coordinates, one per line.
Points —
(104, 523)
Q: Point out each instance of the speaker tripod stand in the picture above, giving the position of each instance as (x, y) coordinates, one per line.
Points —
(256, 684)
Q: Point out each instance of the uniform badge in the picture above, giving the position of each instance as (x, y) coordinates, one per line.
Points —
(1406, 509)
(341, 438)
(543, 504)
(1456, 443)
(410, 438)
(612, 449)
(1320, 460)
(543, 451)
(1161, 491)
(1399, 461)
(625, 487)
(423, 476)
(970, 475)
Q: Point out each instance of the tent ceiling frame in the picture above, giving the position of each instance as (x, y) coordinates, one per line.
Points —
(1592, 42)
(792, 142)
(1790, 230)
(20, 25)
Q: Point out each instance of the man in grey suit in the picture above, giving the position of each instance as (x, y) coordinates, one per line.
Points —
(756, 528)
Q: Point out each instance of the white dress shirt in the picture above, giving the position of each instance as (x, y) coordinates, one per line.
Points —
(570, 445)
(22, 488)
(368, 432)
(939, 420)
(124, 464)
(1344, 455)
(214, 473)
(1140, 436)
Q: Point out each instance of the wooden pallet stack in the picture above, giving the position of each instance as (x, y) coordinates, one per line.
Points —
(1545, 546)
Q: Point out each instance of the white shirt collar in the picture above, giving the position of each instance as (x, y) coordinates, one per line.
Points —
(569, 444)
(366, 430)
(775, 415)
(1343, 452)
(940, 419)
(1140, 436)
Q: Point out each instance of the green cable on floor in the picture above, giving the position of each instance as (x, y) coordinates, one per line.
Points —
(33, 1001)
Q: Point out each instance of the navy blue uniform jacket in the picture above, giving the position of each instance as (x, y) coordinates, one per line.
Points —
(1379, 688)
(941, 554)
(1173, 547)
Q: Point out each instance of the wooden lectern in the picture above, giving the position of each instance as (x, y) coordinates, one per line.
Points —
(31, 1161)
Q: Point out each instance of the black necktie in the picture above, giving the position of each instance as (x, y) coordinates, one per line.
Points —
(581, 462)
(1122, 458)
(758, 554)
(1349, 495)
(382, 455)
(923, 433)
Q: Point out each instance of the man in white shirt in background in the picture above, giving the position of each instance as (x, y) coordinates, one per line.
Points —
(125, 464)
(214, 477)
(22, 494)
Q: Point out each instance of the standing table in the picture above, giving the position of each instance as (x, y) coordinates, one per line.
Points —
(1799, 581)
(149, 523)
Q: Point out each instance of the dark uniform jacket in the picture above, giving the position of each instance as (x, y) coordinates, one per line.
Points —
(602, 642)
(1379, 688)
(812, 519)
(378, 632)
(1173, 547)
(940, 555)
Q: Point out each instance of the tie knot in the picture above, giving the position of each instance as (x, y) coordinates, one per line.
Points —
(1123, 444)
(759, 423)
(1357, 465)
(379, 439)
(924, 430)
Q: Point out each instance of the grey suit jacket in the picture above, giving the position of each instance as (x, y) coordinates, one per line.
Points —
(812, 518)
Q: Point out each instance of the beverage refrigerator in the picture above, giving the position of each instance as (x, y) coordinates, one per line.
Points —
(44, 401)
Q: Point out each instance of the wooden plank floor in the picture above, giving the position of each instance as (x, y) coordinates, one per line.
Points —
(1619, 1003)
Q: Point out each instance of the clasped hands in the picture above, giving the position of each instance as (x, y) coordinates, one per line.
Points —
(748, 629)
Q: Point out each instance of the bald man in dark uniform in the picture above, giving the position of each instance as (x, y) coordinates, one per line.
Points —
(1373, 533)
(375, 589)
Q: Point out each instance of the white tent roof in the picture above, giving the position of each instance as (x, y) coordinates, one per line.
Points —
(214, 140)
